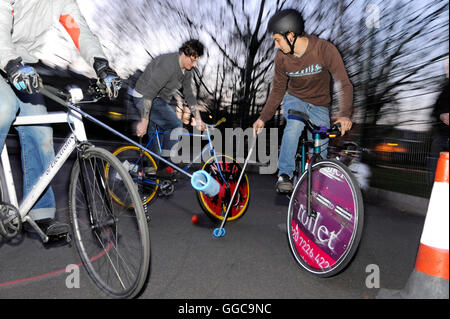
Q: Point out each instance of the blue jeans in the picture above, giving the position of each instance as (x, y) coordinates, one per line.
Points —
(36, 141)
(319, 115)
(165, 117)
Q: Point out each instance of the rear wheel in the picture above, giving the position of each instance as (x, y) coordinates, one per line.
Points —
(325, 242)
(215, 207)
(140, 165)
(112, 239)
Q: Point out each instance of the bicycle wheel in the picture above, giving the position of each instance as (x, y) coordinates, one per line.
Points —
(112, 239)
(323, 245)
(3, 190)
(215, 207)
(140, 165)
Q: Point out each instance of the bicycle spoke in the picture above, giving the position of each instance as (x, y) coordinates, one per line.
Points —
(108, 235)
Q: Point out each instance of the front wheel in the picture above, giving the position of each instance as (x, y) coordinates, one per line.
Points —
(112, 239)
(226, 171)
(324, 241)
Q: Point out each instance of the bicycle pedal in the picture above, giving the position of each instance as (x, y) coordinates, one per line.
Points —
(58, 240)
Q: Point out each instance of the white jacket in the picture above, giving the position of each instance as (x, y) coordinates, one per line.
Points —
(24, 23)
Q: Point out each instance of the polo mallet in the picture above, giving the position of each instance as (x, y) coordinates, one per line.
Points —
(201, 180)
(220, 232)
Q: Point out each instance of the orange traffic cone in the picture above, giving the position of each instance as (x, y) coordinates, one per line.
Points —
(429, 279)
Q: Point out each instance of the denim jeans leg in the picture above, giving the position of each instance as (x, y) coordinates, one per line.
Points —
(319, 115)
(37, 154)
(9, 106)
(291, 135)
(166, 118)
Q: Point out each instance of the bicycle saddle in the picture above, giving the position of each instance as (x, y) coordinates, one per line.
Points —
(297, 115)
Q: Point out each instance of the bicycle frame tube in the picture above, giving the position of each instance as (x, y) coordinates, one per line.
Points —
(158, 140)
(303, 158)
(315, 157)
(78, 134)
(6, 165)
(66, 149)
(211, 146)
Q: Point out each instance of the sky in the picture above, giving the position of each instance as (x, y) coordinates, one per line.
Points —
(63, 53)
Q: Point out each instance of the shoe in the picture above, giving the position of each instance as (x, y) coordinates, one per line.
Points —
(284, 184)
(56, 231)
(166, 173)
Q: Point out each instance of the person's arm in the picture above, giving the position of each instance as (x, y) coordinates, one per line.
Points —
(191, 100)
(22, 76)
(88, 45)
(76, 26)
(7, 50)
(279, 87)
(141, 128)
(152, 80)
(441, 108)
(335, 64)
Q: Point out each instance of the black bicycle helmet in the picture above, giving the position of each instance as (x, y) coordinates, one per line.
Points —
(285, 21)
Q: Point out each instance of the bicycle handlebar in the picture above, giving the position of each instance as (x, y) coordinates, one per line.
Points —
(76, 95)
(222, 120)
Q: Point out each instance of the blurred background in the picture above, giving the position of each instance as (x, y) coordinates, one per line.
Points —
(394, 51)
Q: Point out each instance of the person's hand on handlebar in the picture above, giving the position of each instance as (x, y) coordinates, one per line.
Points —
(22, 76)
(258, 126)
(141, 127)
(108, 77)
(197, 122)
(346, 124)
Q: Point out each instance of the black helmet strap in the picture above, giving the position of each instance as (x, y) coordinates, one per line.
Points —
(291, 45)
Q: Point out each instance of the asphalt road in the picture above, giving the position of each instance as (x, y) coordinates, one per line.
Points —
(252, 261)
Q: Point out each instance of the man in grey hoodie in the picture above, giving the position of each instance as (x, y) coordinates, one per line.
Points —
(156, 86)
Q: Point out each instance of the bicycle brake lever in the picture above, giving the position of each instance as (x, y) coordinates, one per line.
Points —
(335, 131)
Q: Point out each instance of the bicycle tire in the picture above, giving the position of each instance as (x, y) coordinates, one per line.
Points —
(113, 241)
(128, 155)
(213, 206)
(4, 197)
(323, 246)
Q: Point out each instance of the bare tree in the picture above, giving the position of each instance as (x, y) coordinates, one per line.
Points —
(386, 60)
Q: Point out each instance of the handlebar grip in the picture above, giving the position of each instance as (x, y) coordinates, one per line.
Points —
(335, 131)
(222, 120)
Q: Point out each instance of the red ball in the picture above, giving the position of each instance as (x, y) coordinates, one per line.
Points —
(194, 219)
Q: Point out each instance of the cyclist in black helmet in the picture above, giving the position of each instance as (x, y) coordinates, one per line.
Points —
(304, 65)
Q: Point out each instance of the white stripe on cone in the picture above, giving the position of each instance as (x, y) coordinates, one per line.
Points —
(436, 229)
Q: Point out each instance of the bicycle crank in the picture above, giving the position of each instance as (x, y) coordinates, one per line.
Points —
(166, 188)
(10, 221)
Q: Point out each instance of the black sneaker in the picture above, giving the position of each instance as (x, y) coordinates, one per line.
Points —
(56, 231)
(284, 184)
(167, 173)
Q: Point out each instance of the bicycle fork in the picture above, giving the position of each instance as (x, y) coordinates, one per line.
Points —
(95, 224)
(316, 154)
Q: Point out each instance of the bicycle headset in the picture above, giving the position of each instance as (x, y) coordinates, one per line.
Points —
(286, 21)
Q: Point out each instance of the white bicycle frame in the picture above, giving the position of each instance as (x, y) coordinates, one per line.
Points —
(74, 119)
